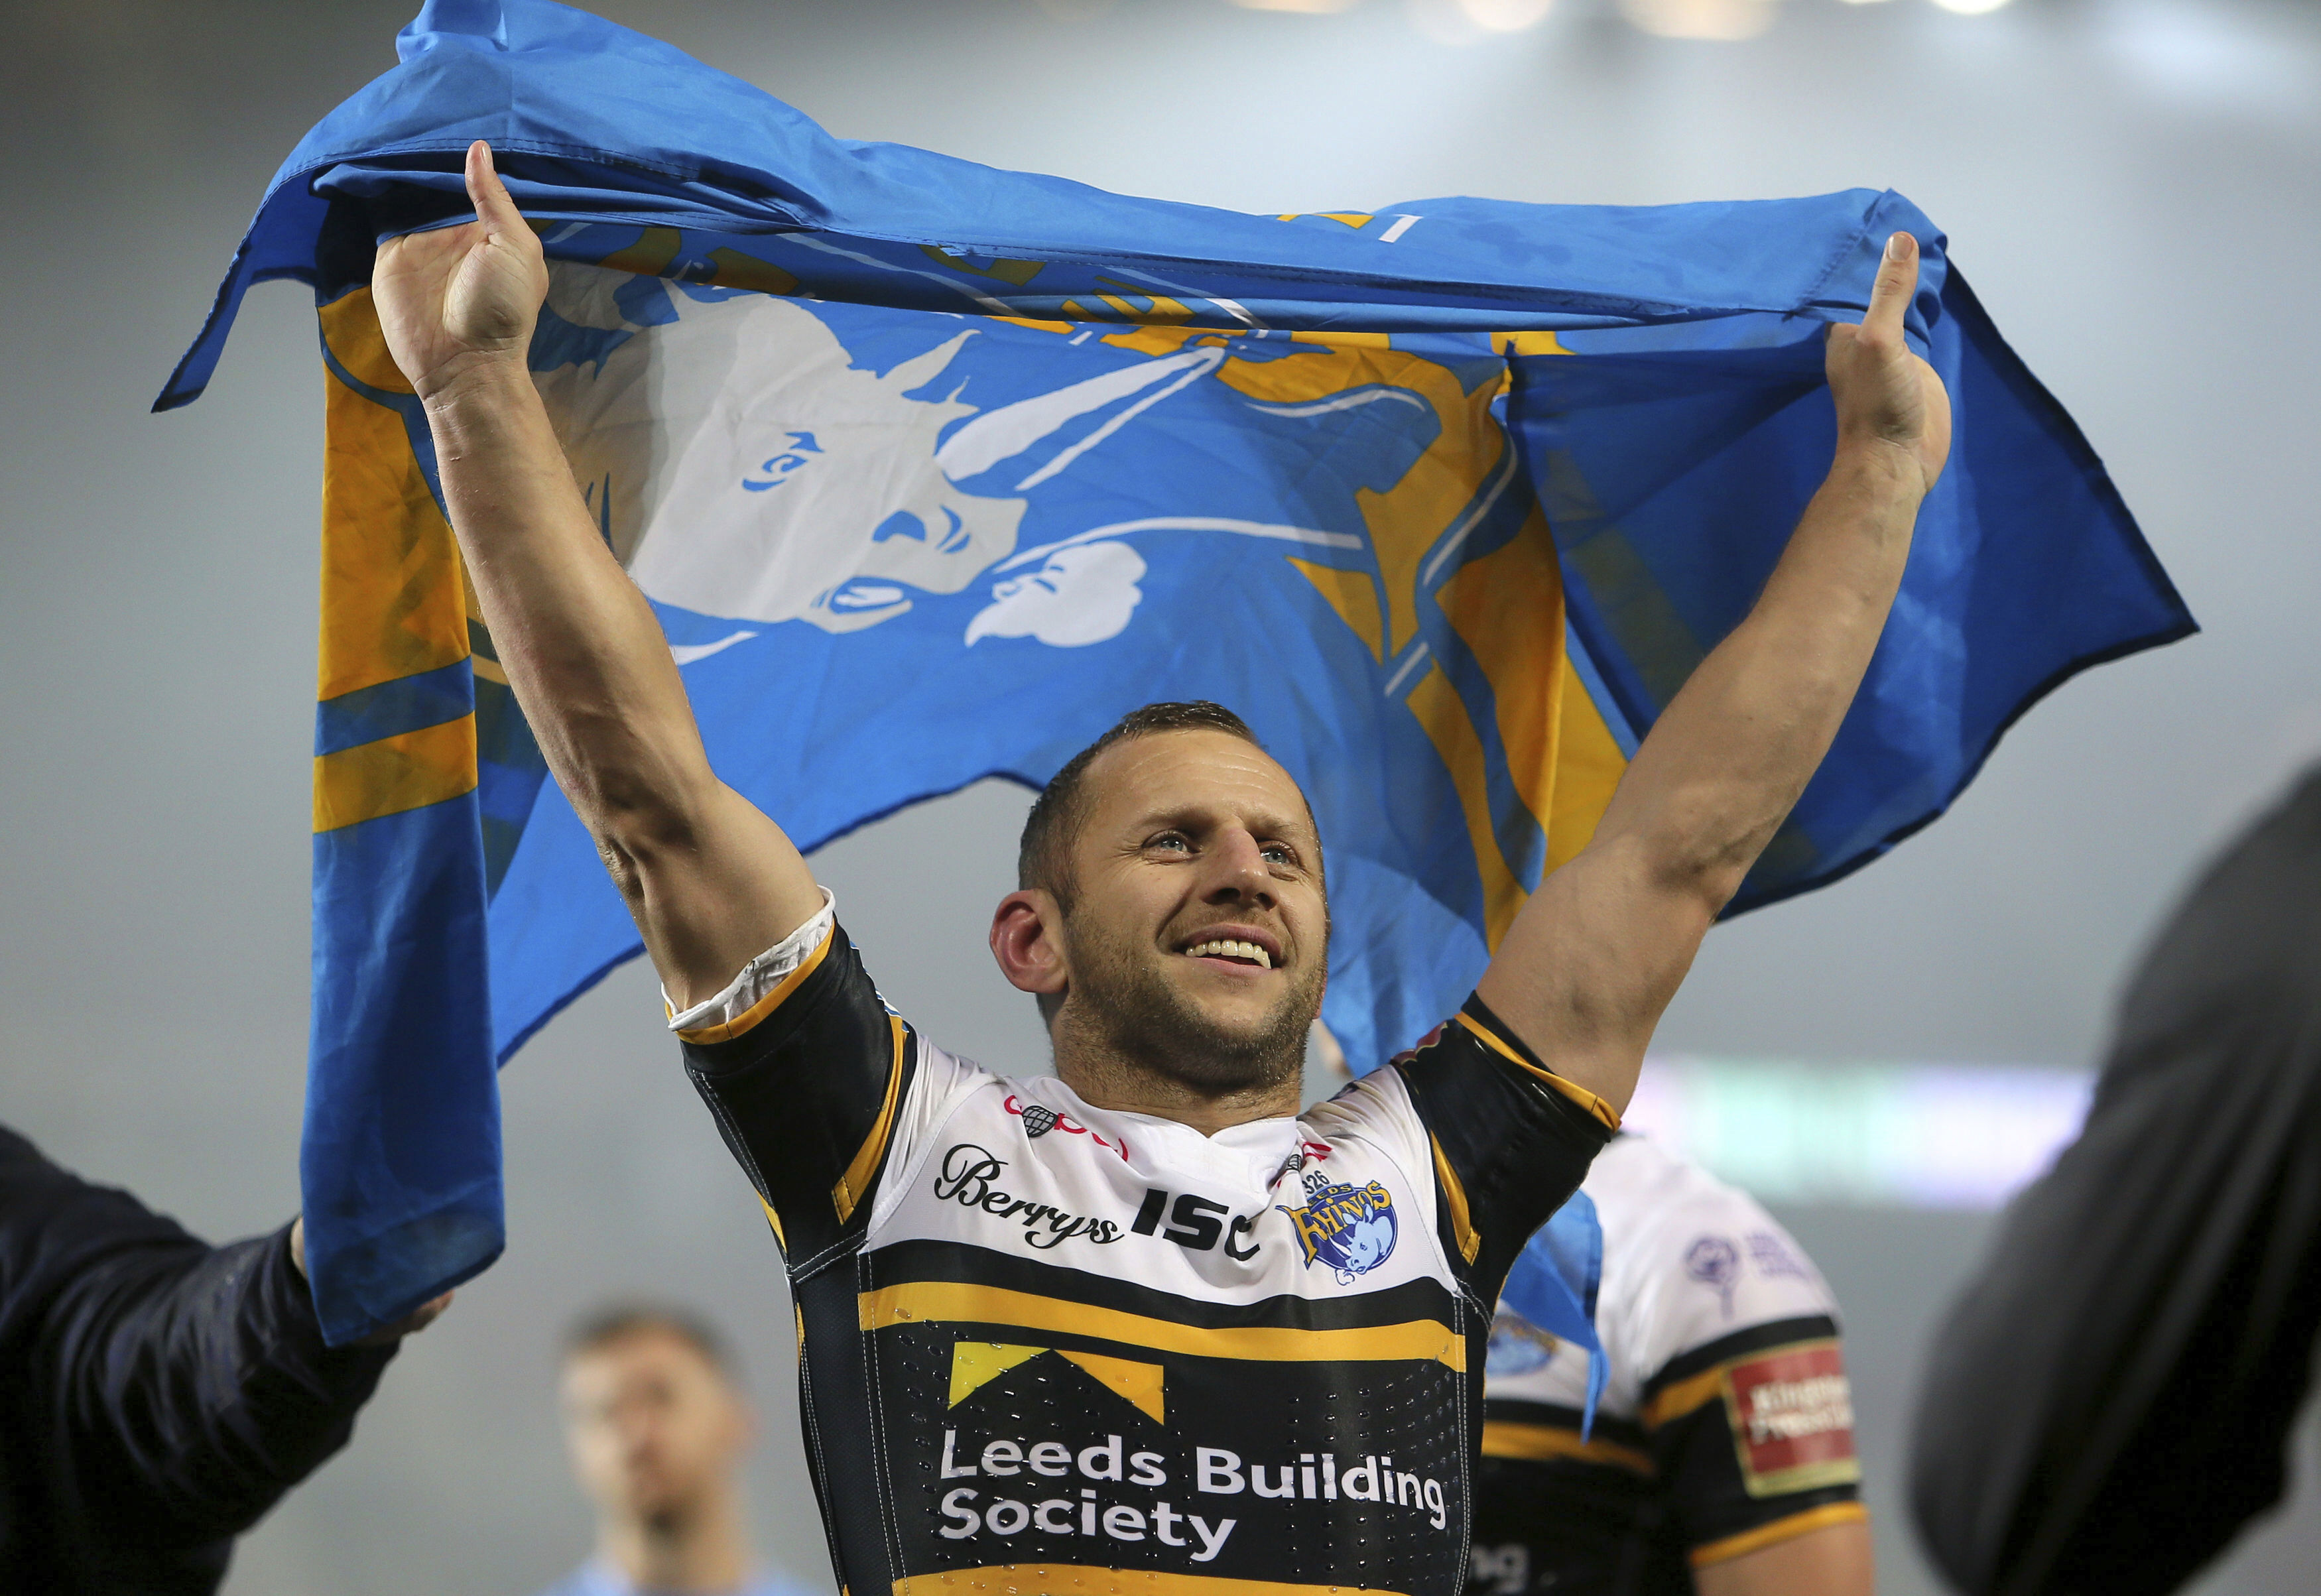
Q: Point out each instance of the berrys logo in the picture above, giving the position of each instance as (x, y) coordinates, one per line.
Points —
(966, 1179)
(1348, 1228)
(1039, 1120)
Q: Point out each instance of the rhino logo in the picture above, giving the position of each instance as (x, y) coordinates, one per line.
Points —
(1348, 1229)
(753, 470)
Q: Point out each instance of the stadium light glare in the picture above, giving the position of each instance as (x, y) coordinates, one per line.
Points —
(1723, 20)
(1506, 16)
(1311, 7)
(1971, 8)
(1879, 1136)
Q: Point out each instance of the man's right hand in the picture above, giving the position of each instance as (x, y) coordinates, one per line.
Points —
(460, 300)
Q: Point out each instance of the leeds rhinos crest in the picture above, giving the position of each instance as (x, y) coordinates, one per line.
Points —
(1350, 1229)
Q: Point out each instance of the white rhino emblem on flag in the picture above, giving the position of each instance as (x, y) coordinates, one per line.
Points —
(744, 466)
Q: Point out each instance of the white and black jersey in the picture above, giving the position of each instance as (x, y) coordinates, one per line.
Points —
(1043, 1342)
(1726, 1425)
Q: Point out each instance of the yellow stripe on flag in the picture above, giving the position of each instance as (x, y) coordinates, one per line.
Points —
(1508, 608)
(410, 771)
(1443, 714)
(1588, 765)
(394, 600)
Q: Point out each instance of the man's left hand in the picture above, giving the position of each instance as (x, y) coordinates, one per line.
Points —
(1888, 400)
(410, 1324)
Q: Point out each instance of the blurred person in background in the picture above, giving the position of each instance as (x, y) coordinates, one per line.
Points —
(1721, 1460)
(658, 1429)
(2112, 1398)
(157, 1394)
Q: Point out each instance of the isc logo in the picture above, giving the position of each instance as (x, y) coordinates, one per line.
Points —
(1196, 1223)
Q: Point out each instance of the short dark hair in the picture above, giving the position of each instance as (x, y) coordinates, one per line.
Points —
(1043, 857)
(599, 1329)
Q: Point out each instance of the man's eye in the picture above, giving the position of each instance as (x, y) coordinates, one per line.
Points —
(1281, 855)
(1171, 840)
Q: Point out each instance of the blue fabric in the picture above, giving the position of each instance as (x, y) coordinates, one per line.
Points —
(411, 704)
(594, 123)
(1553, 1285)
(1672, 446)
(399, 1164)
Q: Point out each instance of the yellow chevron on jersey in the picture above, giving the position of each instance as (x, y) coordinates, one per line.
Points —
(975, 1364)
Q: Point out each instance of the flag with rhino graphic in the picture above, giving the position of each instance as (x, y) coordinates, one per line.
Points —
(931, 472)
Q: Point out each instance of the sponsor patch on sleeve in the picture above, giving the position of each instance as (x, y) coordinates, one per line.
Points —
(1792, 1416)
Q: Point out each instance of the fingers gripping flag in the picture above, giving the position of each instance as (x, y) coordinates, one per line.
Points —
(931, 471)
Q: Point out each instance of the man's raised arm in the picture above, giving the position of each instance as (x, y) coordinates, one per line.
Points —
(710, 881)
(1595, 955)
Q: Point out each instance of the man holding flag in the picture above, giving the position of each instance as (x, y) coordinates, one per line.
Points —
(1144, 1316)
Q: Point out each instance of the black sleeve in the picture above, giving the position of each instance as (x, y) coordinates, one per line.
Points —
(1751, 1439)
(1512, 1139)
(2111, 1397)
(160, 1395)
(805, 1088)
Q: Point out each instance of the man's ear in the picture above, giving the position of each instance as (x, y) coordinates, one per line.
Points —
(1027, 939)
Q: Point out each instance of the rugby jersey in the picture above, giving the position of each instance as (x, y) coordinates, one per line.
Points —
(1726, 1425)
(1042, 1341)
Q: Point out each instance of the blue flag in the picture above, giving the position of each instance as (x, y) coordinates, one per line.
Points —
(931, 471)
(1552, 1288)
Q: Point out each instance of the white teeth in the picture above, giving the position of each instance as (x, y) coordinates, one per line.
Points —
(1252, 951)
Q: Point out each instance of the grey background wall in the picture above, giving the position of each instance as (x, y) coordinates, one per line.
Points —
(2131, 185)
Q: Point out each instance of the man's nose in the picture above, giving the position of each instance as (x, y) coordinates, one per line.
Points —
(1239, 869)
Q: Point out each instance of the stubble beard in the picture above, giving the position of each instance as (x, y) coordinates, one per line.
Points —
(1145, 1021)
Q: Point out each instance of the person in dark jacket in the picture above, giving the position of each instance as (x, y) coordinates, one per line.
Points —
(157, 1394)
(2112, 1397)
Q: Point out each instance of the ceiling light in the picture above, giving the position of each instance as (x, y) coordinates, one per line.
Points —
(1700, 19)
(1506, 16)
(1971, 8)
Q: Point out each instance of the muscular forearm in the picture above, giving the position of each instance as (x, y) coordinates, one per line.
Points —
(580, 644)
(1728, 757)
(1594, 957)
(710, 881)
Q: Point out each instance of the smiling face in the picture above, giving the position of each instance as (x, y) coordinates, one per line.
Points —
(1197, 933)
